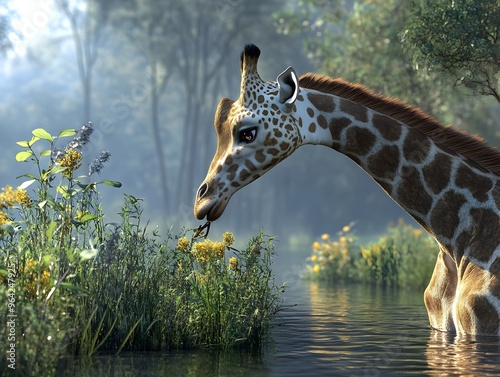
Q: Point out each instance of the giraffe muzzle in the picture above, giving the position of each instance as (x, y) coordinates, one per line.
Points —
(207, 204)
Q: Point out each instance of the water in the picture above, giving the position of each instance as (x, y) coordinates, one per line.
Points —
(329, 331)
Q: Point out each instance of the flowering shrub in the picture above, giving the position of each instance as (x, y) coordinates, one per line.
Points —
(78, 285)
(331, 257)
(404, 257)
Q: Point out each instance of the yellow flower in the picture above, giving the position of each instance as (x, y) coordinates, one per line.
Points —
(344, 251)
(228, 238)
(22, 197)
(183, 244)
(4, 219)
(343, 240)
(233, 263)
(316, 246)
(201, 251)
(314, 258)
(316, 268)
(9, 197)
(365, 253)
(346, 229)
(71, 160)
(417, 232)
(219, 248)
(376, 249)
(325, 236)
(205, 250)
(35, 279)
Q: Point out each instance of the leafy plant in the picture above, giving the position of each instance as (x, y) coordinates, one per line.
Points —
(403, 257)
(76, 285)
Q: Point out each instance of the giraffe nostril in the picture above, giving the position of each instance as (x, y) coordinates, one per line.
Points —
(202, 191)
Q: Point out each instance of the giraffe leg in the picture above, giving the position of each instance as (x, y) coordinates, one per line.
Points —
(440, 293)
(477, 306)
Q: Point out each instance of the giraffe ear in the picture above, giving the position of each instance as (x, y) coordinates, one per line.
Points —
(289, 88)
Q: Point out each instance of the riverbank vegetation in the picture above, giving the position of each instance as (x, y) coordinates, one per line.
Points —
(403, 257)
(75, 285)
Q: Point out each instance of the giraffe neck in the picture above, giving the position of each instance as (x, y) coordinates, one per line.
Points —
(439, 188)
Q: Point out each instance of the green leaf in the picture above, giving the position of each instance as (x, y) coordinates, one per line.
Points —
(88, 254)
(33, 140)
(49, 233)
(56, 169)
(67, 132)
(66, 192)
(23, 143)
(23, 155)
(111, 183)
(28, 176)
(87, 217)
(42, 134)
(74, 288)
(46, 152)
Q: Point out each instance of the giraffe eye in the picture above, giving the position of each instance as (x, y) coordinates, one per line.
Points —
(248, 135)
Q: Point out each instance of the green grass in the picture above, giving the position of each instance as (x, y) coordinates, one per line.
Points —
(403, 257)
(78, 286)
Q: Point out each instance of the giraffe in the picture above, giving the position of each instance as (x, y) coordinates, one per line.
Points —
(446, 179)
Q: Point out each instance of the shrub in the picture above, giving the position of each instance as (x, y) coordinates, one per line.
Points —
(75, 285)
(404, 257)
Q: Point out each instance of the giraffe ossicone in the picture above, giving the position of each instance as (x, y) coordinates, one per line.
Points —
(446, 179)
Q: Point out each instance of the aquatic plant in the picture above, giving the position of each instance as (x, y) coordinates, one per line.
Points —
(404, 256)
(74, 285)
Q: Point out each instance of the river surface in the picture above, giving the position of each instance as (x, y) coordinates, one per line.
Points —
(343, 330)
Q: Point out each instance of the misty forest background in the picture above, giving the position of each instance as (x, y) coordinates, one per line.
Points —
(149, 75)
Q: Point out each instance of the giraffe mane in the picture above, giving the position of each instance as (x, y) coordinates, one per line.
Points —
(466, 144)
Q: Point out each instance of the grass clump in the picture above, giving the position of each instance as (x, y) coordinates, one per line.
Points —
(72, 284)
(403, 257)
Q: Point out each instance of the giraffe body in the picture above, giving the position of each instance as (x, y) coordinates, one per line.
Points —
(447, 180)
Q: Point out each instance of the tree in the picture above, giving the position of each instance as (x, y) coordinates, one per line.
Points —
(87, 20)
(460, 38)
(365, 45)
(187, 43)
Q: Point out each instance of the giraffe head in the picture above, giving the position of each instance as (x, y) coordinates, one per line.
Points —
(254, 133)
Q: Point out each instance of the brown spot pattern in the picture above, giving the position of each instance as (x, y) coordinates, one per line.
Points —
(496, 194)
(322, 122)
(284, 146)
(389, 128)
(322, 102)
(249, 164)
(244, 174)
(486, 314)
(359, 112)
(337, 125)
(437, 173)
(260, 156)
(416, 146)
(384, 164)
(411, 192)
(477, 184)
(444, 216)
(485, 223)
(359, 141)
(494, 286)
